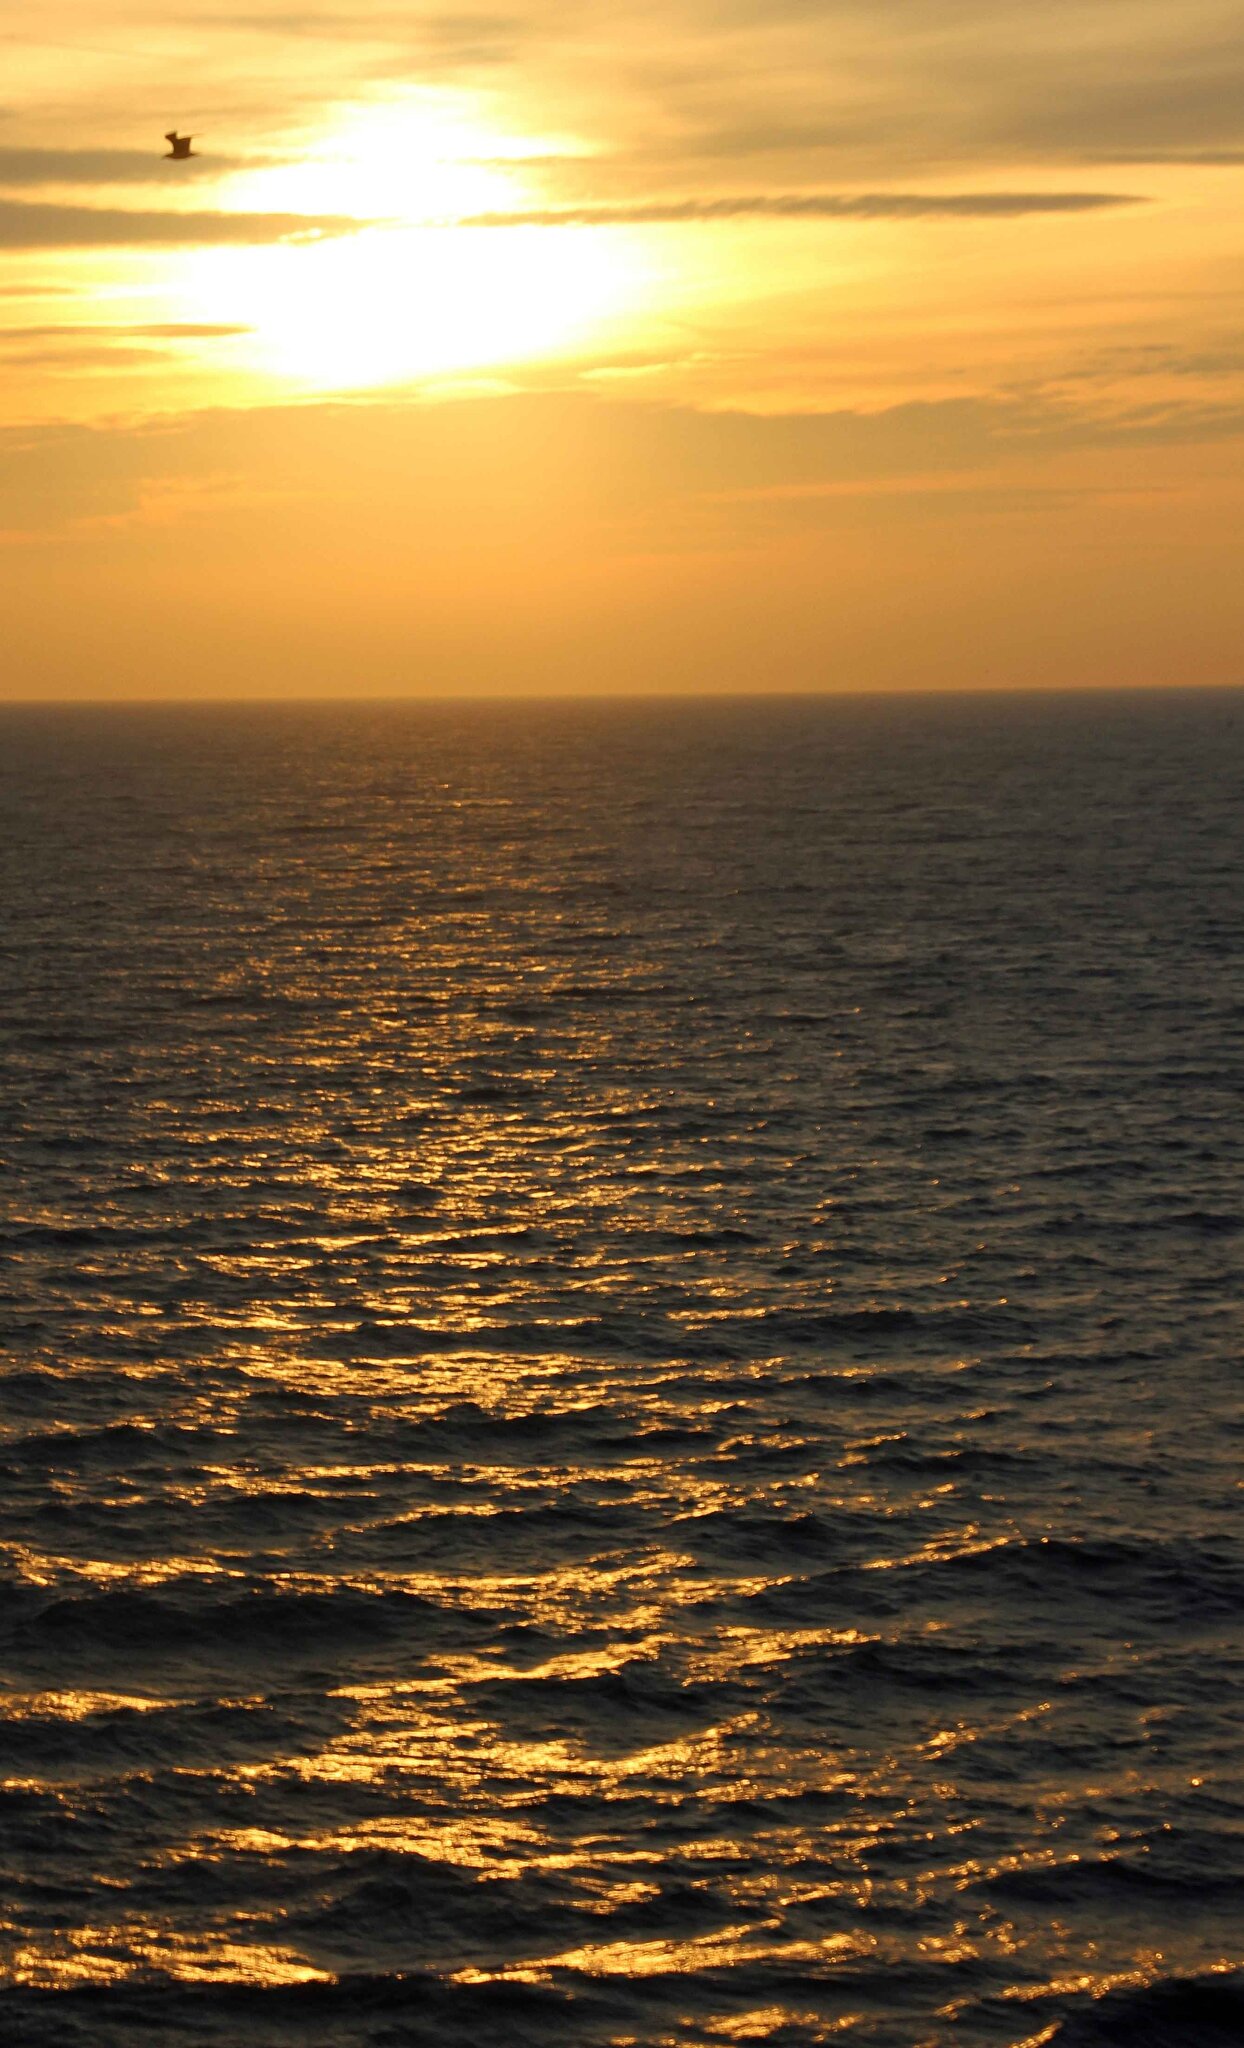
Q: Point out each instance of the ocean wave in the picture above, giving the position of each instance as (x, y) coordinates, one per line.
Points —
(201, 1624)
(1174, 2012)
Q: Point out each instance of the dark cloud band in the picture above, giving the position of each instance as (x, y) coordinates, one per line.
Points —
(29, 167)
(26, 225)
(810, 206)
(100, 331)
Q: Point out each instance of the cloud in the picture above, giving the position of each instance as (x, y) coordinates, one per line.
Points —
(71, 348)
(810, 206)
(103, 356)
(879, 87)
(430, 473)
(870, 91)
(443, 45)
(102, 331)
(159, 329)
(480, 466)
(1179, 98)
(1122, 365)
(1207, 159)
(26, 225)
(101, 167)
(866, 89)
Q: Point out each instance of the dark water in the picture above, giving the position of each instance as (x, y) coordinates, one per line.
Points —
(621, 1405)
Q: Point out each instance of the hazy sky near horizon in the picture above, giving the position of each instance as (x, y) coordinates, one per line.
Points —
(772, 344)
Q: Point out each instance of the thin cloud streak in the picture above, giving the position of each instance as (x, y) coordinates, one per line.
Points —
(809, 206)
(104, 167)
(26, 225)
(1194, 159)
(157, 330)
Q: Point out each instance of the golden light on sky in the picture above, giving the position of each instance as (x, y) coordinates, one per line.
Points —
(412, 294)
(862, 345)
(392, 304)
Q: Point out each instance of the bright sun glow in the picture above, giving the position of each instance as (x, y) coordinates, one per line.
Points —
(423, 158)
(414, 294)
(392, 304)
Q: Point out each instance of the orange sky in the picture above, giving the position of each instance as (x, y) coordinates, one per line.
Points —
(777, 344)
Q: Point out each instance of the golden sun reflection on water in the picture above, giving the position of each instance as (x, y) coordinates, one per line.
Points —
(468, 1767)
(128, 1950)
(472, 1560)
(441, 1462)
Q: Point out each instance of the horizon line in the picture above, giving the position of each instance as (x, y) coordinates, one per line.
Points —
(637, 696)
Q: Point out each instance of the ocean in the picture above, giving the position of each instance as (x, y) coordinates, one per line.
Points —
(621, 1391)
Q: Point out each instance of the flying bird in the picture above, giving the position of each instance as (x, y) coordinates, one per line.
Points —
(181, 144)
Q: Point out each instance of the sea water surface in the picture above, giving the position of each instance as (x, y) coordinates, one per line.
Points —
(621, 1403)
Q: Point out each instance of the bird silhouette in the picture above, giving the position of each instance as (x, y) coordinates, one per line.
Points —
(181, 144)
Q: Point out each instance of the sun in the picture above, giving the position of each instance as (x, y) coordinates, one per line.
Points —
(413, 292)
(426, 155)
